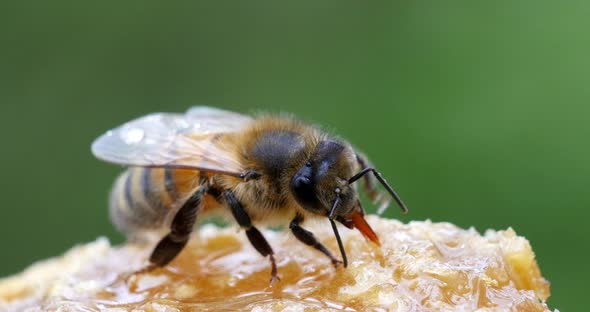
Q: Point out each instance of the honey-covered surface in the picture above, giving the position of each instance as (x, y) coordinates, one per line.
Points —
(420, 266)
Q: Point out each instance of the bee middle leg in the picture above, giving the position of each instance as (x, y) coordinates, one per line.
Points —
(182, 226)
(309, 239)
(254, 236)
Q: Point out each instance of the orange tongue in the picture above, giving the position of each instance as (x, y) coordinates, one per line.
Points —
(359, 222)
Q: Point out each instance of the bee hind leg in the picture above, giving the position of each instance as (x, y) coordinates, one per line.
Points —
(309, 239)
(182, 226)
(254, 236)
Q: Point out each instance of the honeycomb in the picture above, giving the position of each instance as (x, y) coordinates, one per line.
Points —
(420, 266)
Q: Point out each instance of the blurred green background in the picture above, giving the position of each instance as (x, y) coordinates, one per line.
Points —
(478, 113)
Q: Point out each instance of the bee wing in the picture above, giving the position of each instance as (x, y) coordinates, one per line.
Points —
(174, 140)
(217, 120)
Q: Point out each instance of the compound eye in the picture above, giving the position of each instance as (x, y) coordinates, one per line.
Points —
(304, 192)
(301, 183)
(303, 188)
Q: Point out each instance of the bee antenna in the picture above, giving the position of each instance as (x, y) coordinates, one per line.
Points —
(389, 189)
(331, 217)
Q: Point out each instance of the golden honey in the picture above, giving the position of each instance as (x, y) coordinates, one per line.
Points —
(420, 266)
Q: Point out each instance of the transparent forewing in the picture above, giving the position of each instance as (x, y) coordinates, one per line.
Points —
(174, 140)
(217, 120)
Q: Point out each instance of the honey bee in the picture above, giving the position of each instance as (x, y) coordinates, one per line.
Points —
(266, 169)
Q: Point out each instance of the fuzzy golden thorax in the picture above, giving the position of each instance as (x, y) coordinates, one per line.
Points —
(302, 170)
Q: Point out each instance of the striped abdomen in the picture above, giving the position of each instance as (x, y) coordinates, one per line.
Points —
(144, 199)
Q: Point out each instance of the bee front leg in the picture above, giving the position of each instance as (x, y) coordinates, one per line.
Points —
(254, 236)
(182, 226)
(309, 239)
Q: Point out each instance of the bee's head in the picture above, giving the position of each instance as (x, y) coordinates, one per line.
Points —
(324, 177)
(323, 186)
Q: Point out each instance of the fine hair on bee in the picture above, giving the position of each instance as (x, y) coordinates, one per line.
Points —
(260, 170)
